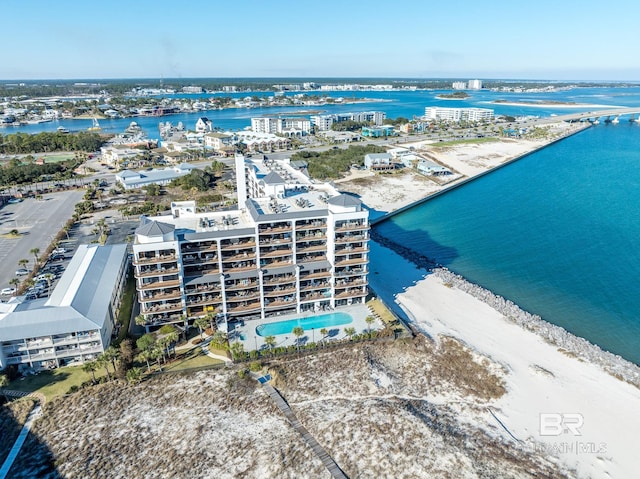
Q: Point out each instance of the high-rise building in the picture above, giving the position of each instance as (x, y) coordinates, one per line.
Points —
(475, 84)
(292, 245)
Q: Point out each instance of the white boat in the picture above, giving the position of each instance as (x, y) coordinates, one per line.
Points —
(62, 129)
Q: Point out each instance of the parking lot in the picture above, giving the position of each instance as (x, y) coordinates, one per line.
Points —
(37, 221)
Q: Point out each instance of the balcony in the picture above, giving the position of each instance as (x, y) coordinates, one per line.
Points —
(350, 238)
(343, 283)
(307, 238)
(172, 294)
(311, 287)
(311, 226)
(194, 271)
(279, 304)
(273, 253)
(352, 293)
(191, 259)
(242, 297)
(279, 280)
(237, 267)
(154, 259)
(161, 308)
(312, 248)
(238, 245)
(274, 229)
(275, 241)
(352, 261)
(204, 300)
(199, 247)
(351, 250)
(314, 296)
(159, 285)
(280, 291)
(311, 258)
(239, 257)
(241, 285)
(315, 275)
(244, 308)
(147, 273)
(203, 288)
(351, 227)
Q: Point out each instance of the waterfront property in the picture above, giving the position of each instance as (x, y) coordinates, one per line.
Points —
(457, 114)
(292, 246)
(295, 126)
(76, 322)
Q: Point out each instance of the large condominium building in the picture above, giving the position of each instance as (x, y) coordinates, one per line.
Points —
(459, 85)
(284, 126)
(475, 84)
(76, 322)
(457, 114)
(291, 246)
(324, 122)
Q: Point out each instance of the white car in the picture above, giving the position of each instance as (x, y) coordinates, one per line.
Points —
(6, 291)
(22, 272)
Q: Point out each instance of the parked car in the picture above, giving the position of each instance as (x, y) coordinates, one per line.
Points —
(7, 291)
(57, 257)
(22, 272)
(13, 201)
(59, 251)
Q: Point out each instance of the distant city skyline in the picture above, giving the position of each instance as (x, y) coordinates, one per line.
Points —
(143, 39)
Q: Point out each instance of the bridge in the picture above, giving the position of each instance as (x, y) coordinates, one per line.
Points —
(581, 116)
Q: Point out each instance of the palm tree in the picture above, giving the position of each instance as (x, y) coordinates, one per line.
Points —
(14, 282)
(156, 354)
(112, 354)
(141, 321)
(145, 356)
(35, 252)
(237, 350)
(134, 375)
(171, 339)
(23, 262)
(271, 342)
(49, 279)
(324, 333)
(369, 320)
(211, 318)
(201, 323)
(90, 367)
(298, 332)
(104, 362)
(350, 332)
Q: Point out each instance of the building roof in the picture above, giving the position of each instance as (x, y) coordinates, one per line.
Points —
(344, 200)
(273, 178)
(79, 302)
(155, 228)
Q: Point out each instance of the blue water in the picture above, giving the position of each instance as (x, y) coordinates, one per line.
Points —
(394, 103)
(556, 232)
(312, 322)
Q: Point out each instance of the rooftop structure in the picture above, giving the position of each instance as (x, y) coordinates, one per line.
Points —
(292, 245)
(324, 122)
(137, 179)
(76, 322)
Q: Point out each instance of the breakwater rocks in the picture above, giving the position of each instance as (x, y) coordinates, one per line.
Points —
(571, 344)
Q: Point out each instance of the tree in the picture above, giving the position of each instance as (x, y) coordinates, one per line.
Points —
(211, 317)
(112, 354)
(134, 375)
(90, 367)
(142, 321)
(126, 352)
(237, 350)
(350, 332)
(145, 342)
(369, 320)
(270, 341)
(35, 252)
(14, 282)
(103, 361)
(298, 332)
(157, 353)
(324, 333)
(4, 381)
(201, 323)
(145, 356)
(23, 262)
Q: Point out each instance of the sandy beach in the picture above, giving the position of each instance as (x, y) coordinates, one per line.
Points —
(565, 397)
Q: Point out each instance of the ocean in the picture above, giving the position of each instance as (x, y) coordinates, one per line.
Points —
(555, 232)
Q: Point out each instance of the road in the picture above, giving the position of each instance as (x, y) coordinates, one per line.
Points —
(38, 222)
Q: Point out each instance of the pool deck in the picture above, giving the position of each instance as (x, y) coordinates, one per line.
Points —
(246, 333)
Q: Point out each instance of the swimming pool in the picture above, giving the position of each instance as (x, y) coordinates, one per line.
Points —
(312, 322)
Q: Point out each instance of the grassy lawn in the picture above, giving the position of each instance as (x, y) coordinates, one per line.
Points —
(55, 382)
(189, 361)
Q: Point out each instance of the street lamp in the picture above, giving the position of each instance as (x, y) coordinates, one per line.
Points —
(313, 335)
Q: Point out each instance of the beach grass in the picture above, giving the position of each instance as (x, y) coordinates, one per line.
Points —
(444, 144)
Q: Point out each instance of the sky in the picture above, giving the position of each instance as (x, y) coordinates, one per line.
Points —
(542, 39)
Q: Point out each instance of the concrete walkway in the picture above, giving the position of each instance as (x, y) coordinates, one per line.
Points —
(15, 450)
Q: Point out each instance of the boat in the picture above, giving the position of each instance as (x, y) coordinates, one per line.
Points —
(96, 126)
(62, 129)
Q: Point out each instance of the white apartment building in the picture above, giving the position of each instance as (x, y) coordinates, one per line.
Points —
(459, 85)
(324, 122)
(457, 114)
(76, 322)
(218, 141)
(294, 126)
(291, 246)
(475, 84)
